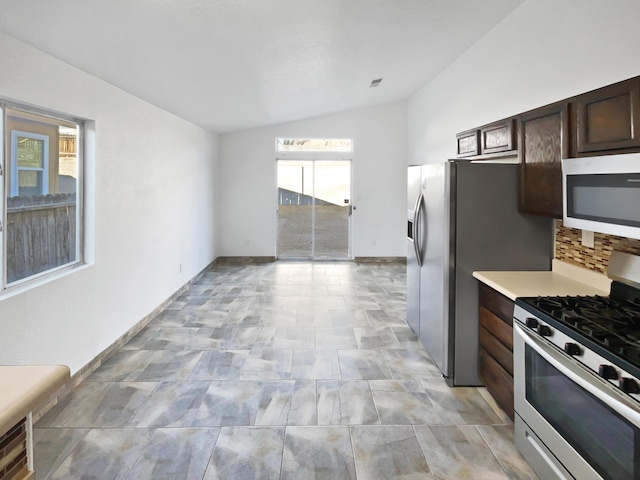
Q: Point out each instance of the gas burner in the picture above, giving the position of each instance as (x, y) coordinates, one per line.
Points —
(612, 324)
(633, 335)
(612, 342)
(570, 318)
(548, 304)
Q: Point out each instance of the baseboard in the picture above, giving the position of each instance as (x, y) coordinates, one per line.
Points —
(242, 260)
(90, 367)
(402, 260)
(255, 260)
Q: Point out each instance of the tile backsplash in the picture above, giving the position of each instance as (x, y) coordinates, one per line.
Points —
(569, 248)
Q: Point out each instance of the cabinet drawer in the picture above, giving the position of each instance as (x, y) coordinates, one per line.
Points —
(496, 303)
(497, 380)
(13, 453)
(500, 329)
(496, 349)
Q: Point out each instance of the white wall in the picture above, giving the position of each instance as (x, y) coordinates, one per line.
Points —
(152, 194)
(545, 51)
(247, 213)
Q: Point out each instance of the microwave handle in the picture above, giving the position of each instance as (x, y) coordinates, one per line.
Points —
(592, 384)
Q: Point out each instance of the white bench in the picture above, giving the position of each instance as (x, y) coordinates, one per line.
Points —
(23, 389)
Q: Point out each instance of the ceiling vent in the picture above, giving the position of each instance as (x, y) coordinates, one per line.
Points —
(375, 83)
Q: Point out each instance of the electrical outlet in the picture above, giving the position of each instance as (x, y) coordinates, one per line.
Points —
(587, 239)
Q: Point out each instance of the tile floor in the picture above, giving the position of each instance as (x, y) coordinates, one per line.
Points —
(278, 370)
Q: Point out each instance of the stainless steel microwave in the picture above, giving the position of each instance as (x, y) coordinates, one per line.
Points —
(602, 194)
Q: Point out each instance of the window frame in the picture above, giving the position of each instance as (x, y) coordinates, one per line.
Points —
(14, 187)
(59, 119)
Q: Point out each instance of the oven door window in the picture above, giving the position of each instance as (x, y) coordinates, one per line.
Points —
(600, 435)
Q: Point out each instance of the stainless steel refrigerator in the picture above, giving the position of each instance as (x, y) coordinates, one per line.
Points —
(462, 217)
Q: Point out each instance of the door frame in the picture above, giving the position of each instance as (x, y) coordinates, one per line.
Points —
(313, 157)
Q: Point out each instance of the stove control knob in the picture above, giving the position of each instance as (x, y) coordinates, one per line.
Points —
(572, 349)
(608, 372)
(544, 330)
(629, 385)
(531, 322)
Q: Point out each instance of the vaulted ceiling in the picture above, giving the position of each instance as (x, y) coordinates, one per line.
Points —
(229, 65)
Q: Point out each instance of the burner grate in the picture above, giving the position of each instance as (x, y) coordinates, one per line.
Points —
(612, 324)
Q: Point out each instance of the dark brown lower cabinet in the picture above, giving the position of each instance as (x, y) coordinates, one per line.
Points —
(495, 362)
(13, 454)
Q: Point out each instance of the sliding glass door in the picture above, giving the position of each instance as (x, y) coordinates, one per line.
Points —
(314, 209)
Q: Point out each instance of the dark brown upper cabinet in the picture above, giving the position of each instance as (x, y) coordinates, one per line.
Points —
(497, 137)
(608, 118)
(467, 143)
(542, 144)
(494, 140)
(601, 122)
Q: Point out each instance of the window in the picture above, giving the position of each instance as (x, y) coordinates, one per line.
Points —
(313, 145)
(41, 193)
(29, 164)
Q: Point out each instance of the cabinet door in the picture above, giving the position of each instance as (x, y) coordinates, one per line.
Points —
(542, 144)
(467, 143)
(608, 118)
(497, 137)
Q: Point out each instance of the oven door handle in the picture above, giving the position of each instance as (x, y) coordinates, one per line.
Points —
(608, 394)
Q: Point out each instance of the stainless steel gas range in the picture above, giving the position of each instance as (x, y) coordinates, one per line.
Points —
(577, 380)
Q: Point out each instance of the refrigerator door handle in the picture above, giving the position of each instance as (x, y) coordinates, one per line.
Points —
(416, 229)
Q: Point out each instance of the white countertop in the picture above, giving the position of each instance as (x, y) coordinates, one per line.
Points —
(564, 279)
(25, 388)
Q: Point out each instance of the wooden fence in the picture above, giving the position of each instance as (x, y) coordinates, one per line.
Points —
(41, 233)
